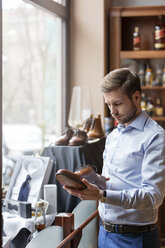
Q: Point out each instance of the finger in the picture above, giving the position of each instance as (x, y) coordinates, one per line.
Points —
(106, 178)
(70, 190)
(89, 185)
(85, 181)
(75, 192)
(72, 193)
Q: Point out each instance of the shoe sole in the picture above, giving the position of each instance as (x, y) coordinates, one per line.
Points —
(61, 144)
(67, 179)
(77, 144)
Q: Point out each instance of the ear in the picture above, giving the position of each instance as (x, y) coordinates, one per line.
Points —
(137, 97)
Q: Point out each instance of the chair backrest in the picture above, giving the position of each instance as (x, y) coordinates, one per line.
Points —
(89, 234)
(50, 237)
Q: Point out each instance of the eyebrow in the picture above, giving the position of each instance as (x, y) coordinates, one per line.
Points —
(115, 101)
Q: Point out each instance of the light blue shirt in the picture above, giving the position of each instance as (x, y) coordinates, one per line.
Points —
(134, 159)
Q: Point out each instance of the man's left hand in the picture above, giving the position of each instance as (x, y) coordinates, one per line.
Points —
(92, 192)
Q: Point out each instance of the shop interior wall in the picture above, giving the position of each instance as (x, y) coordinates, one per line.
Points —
(87, 47)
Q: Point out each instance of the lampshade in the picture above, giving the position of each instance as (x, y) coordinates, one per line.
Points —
(80, 107)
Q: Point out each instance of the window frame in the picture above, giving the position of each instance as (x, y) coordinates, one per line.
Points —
(62, 12)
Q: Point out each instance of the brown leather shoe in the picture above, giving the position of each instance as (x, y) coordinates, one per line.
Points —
(96, 130)
(78, 139)
(74, 179)
(63, 140)
(87, 124)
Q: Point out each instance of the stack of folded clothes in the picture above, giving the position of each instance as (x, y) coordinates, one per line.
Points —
(91, 130)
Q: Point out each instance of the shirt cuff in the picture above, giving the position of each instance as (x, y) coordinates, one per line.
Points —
(113, 197)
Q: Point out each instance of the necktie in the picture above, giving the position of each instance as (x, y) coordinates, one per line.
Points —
(24, 190)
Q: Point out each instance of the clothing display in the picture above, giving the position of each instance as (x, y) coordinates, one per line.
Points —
(24, 190)
(39, 170)
(34, 167)
(72, 158)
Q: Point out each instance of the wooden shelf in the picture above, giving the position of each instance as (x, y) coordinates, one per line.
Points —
(143, 54)
(153, 87)
(158, 118)
(141, 11)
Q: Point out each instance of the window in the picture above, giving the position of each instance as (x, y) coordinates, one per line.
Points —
(34, 89)
(63, 2)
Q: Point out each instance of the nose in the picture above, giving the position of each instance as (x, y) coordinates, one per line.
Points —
(112, 109)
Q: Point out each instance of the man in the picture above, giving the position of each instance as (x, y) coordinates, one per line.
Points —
(134, 163)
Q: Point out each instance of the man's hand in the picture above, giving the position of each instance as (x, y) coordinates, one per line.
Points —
(92, 192)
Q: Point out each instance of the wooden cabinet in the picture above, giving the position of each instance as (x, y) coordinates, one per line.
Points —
(122, 24)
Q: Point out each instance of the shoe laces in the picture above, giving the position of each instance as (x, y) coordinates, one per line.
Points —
(68, 131)
(80, 133)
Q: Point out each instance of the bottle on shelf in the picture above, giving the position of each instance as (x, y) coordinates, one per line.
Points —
(163, 77)
(158, 77)
(159, 111)
(148, 76)
(141, 74)
(143, 101)
(108, 124)
(159, 34)
(136, 39)
(150, 107)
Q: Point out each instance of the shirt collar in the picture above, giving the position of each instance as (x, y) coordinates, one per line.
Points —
(138, 123)
(32, 167)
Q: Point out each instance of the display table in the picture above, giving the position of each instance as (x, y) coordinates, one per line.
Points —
(6, 242)
(13, 223)
(18, 228)
(72, 158)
